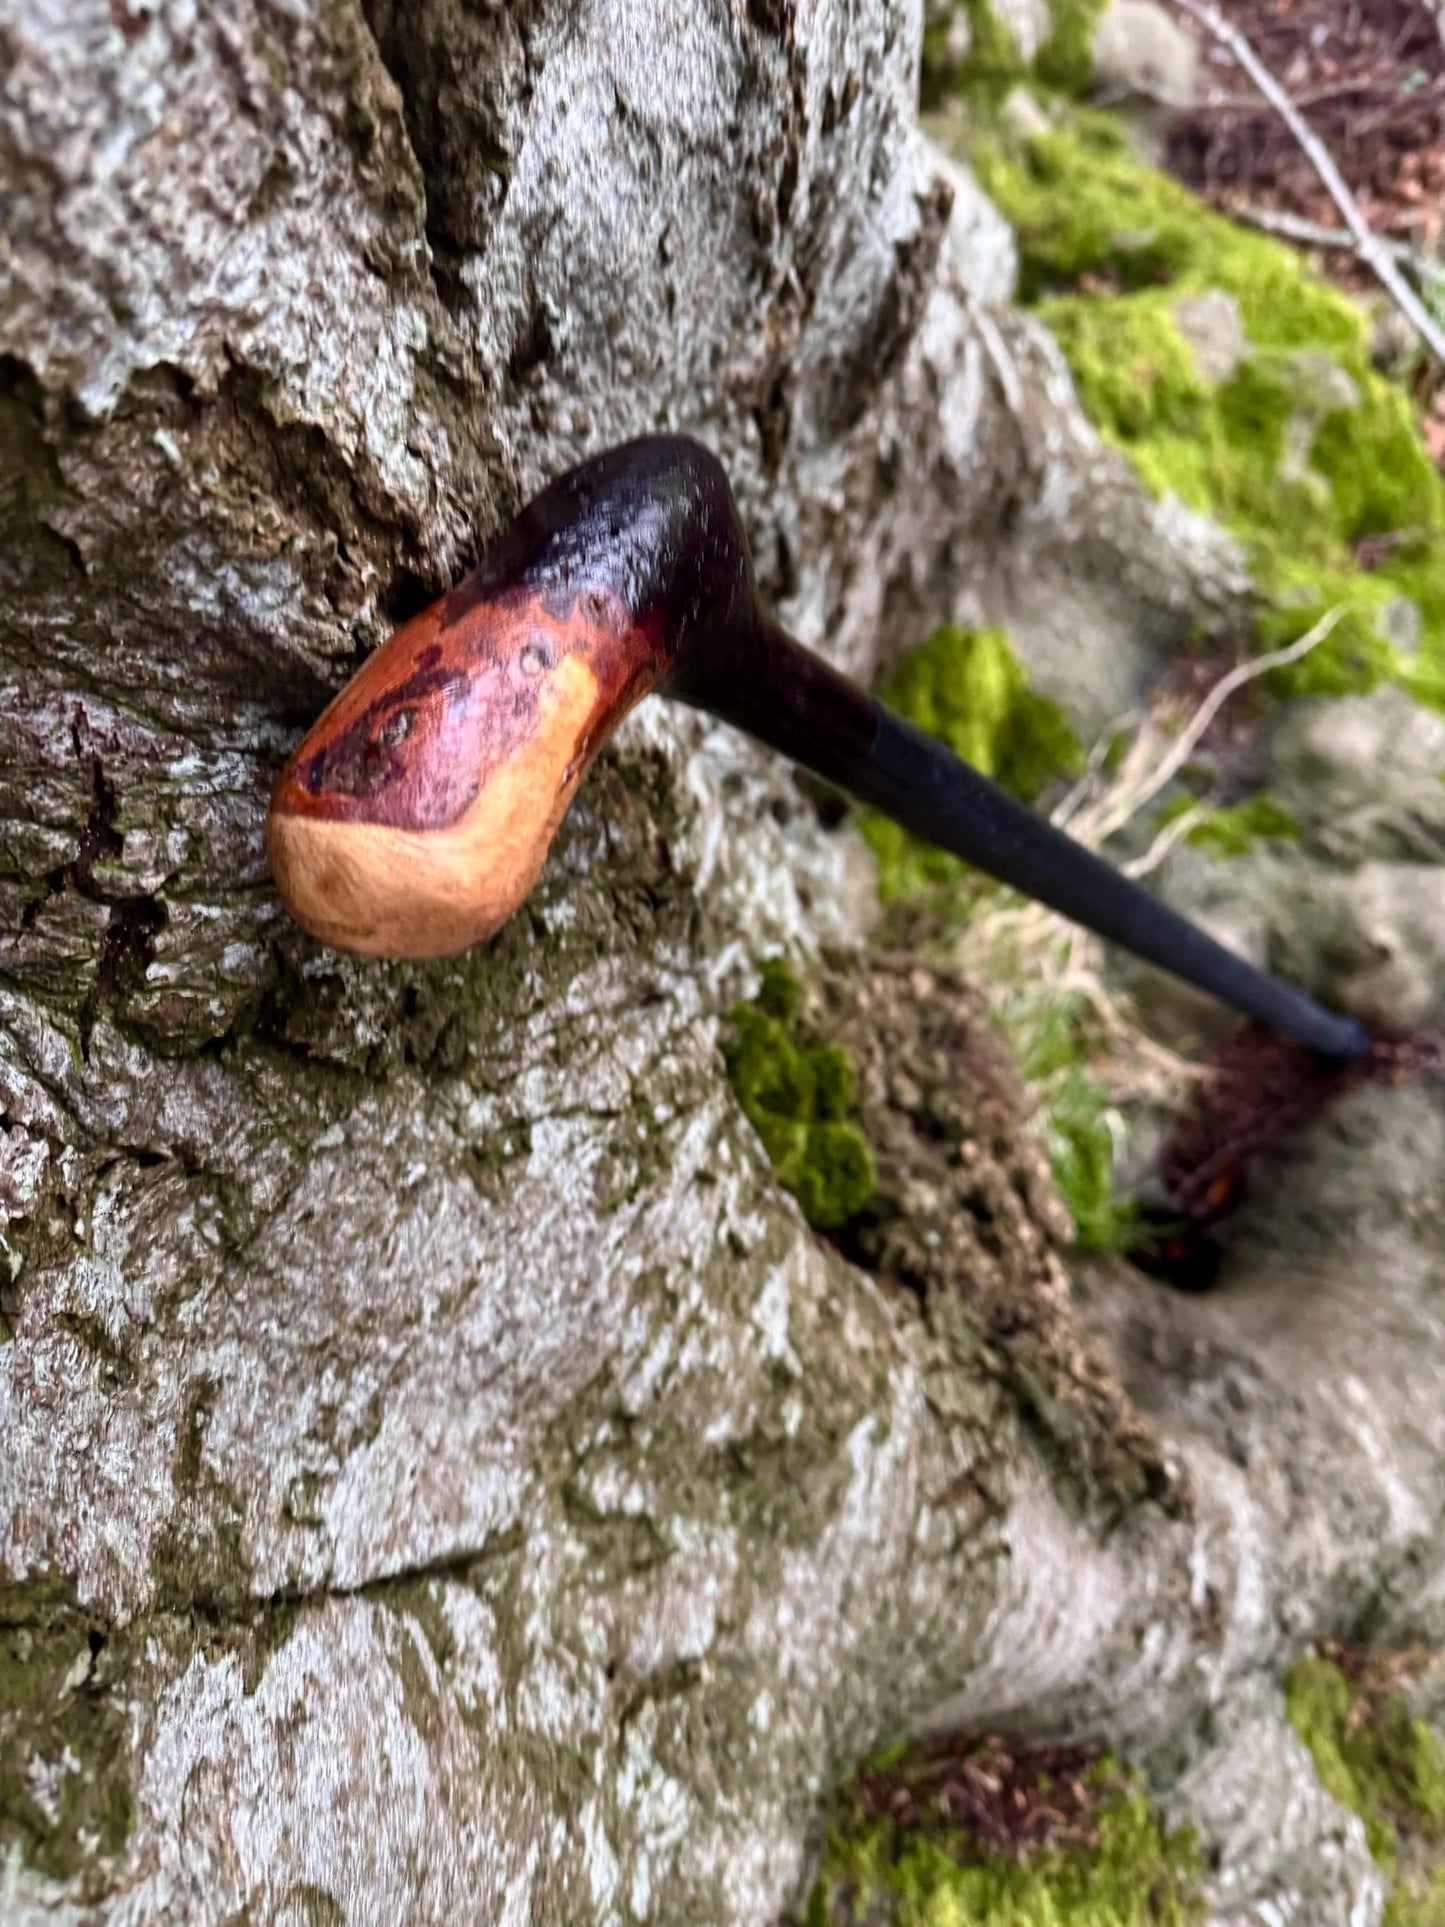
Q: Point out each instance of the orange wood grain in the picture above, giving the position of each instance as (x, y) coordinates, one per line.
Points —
(417, 814)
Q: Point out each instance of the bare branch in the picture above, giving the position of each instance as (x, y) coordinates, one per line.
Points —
(1371, 249)
(1136, 786)
(1314, 234)
(1174, 831)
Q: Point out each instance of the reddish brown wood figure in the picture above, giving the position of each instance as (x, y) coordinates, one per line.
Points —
(415, 816)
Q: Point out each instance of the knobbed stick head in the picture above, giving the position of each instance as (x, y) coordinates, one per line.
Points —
(415, 816)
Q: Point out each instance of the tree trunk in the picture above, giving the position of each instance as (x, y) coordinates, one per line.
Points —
(442, 1477)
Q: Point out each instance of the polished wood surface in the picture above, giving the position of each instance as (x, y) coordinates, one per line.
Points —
(417, 813)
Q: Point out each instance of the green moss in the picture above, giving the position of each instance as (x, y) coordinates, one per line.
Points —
(992, 65)
(994, 62)
(1135, 371)
(65, 1792)
(1081, 1140)
(1303, 450)
(1081, 204)
(1417, 1902)
(1137, 1875)
(1066, 58)
(967, 687)
(1381, 1761)
(1231, 831)
(801, 1097)
(1054, 1038)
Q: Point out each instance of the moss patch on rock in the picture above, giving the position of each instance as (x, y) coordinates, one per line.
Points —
(801, 1097)
(968, 49)
(1417, 1902)
(1236, 828)
(967, 687)
(1384, 1763)
(1065, 60)
(1114, 1864)
(1301, 447)
(1055, 1051)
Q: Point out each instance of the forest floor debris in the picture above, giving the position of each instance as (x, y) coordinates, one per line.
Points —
(1370, 83)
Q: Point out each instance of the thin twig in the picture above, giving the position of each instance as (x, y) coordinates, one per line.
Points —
(1039, 964)
(1082, 792)
(1312, 97)
(1372, 250)
(1173, 832)
(1314, 234)
(1188, 739)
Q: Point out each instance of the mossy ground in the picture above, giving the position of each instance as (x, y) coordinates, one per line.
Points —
(1384, 1763)
(800, 1095)
(968, 687)
(1057, 1040)
(1291, 439)
(1133, 1872)
(965, 1227)
(1226, 832)
(1303, 449)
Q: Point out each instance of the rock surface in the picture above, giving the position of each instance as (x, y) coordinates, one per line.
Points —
(1354, 907)
(1141, 49)
(441, 1474)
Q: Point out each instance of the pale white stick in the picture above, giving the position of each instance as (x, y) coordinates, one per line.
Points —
(1186, 742)
(1314, 234)
(1372, 250)
(1173, 832)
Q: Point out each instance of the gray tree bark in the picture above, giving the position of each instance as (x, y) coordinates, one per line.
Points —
(440, 1475)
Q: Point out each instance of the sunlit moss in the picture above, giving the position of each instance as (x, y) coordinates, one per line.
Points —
(1065, 60)
(1139, 1874)
(1303, 450)
(994, 61)
(1383, 1763)
(967, 687)
(991, 65)
(1231, 831)
(1417, 1902)
(801, 1097)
